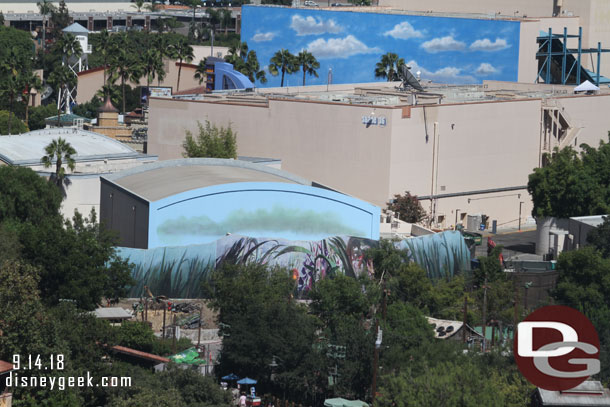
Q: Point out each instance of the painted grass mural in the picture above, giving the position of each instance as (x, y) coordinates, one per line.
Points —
(178, 271)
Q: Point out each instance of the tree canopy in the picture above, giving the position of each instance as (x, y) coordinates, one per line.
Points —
(408, 208)
(211, 142)
(572, 183)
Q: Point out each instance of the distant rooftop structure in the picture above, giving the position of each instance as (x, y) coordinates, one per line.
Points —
(594, 221)
(28, 148)
(112, 313)
(388, 94)
(75, 28)
(589, 393)
(447, 329)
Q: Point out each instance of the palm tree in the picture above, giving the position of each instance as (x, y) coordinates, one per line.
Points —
(226, 18)
(200, 72)
(31, 81)
(45, 7)
(138, 4)
(237, 53)
(62, 77)
(11, 87)
(152, 65)
(245, 62)
(181, 51)
(109, 91)
(152, 6)
(69, 47)
(125, 66)
(59, 150)
(308, 63)
(213, 20)
(104, 48)
(388, 66)
(282, 61)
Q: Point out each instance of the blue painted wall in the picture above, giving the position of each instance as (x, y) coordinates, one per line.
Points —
(444, 49)
(281, 210)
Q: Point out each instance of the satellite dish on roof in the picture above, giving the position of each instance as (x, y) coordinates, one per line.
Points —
(408, 80)
(46, 92)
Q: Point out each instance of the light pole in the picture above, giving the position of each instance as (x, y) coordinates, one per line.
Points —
(520, 204)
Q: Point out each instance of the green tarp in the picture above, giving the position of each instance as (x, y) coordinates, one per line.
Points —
(188, 357)
(339, 402)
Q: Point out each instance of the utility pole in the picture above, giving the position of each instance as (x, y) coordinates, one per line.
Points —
(200, 318)
(174, 336)
(485, 315)
(164, 311)
(375, 365)
(146, 309)
(515, 317)
(520, 204)
(464, 319)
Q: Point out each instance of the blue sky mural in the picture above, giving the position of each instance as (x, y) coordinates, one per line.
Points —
(281, 210)
(443, 49)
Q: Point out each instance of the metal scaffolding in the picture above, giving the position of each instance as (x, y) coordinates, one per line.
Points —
(559, 64)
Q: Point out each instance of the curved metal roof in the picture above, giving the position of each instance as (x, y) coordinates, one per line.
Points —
(28, 148)
(166, 178)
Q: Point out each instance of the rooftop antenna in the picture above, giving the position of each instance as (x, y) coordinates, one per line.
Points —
(408, 80)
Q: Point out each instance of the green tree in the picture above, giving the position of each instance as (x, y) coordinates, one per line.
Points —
(181, 51)
(25, 197)
(259, 319)
(38, 115)
(211, 142)
(58, 151)
(407, 207)
(126, 67)
(246, 62)
(45, 7)
(60, 19)
(16, 126)
(389, 66)
(30, 81)
(104, 48)
(138, 4)
(226, 19)
(599, 237)
(200, 72)
(308, 63)
(61, 79)
(572, 184)
(152, 63)
(283, 61)
(136, 335)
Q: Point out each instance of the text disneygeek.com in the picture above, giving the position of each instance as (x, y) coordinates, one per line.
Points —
(14, 380)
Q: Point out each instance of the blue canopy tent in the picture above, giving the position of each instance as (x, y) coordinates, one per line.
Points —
(247, 381)
(230, 377)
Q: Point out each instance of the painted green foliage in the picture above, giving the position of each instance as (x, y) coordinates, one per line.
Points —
(179, 271)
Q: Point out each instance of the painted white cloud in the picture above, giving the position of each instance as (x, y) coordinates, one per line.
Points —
(312, 26)
(447, 43)
(263, 37)
(404, 31)
(339, 47)
(486, 69)
(448, 74)
(486, 45)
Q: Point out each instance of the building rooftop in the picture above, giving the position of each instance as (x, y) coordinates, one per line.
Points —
(594, 221)
(589, 393)
(389, 94)
(161, 179)
(28, 148)
(75, 28)
(112, 313)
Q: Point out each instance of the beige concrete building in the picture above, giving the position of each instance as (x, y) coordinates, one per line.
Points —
(92, 80)
(462, 149)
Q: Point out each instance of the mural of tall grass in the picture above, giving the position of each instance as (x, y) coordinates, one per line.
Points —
(179, 271)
